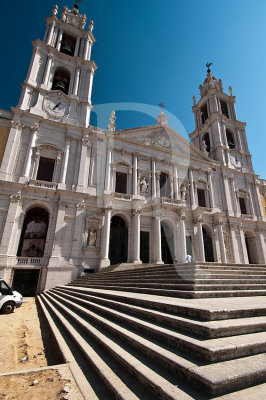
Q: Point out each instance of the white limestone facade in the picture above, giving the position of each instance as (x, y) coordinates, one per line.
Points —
(75, 198)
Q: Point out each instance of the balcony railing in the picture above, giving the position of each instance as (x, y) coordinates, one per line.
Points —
(29, 260)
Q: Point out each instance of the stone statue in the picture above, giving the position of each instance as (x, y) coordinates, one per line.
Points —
(92, 237)
(183, 192)
(203, 145)
(144, 185)
(55, 10)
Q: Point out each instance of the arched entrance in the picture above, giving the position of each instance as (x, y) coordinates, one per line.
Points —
(251, 245)
(118, 241)
(32, 244)
(208, 249)
(33, 234)
(167, 243)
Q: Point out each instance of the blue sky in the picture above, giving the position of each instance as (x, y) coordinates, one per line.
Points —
(152, 50)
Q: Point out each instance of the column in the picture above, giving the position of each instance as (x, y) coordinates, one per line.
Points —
(201, 252)
(9, 242)
(209, 177)
(83, 159)
(182, 253)
(234, 196)
(261, 242)
(243, 244)
(11, 149)
(221, 241)
(77, 162)
(86, 49)
(158, 194)
(56, 168)
(228, 205)
(36, 163)
(58, 235)
(78, 233)
(137, 237)
(192, 194)
(28, 160)
(153, 179)
(171, 187)
(157, 244)
(50, 35)
(47, 69)
(108, 169)
(105, 239)
(58, 44)
(65, 161)
(176, 189)
(76, 82)
(77, 47)
(234, 247)
(135, 174)
(250, 200)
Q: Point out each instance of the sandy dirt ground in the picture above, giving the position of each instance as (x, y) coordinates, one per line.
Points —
(23, 334)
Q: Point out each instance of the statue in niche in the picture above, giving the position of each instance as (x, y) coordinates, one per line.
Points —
(144, 185)
(92, 237)
(183, 192)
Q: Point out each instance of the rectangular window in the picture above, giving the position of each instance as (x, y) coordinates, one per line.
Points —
(46, 169)
(242, 204)
(201, 198)
(121, 182)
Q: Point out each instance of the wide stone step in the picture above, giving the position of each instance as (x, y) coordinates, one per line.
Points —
(180, 287)
(205, 329)
(214, 378)
(210, 281)
(204, 309)
(140, 374)
(212, 350)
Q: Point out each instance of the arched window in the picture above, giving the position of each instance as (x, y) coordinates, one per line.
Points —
(224, 108)
(61, 80)
(68, 44)
(34, 231)
(206, 138)
(204, 113)
(230, 140)
(164, 185)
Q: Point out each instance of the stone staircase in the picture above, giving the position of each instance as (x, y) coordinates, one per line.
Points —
(192, 280)
(129, 344)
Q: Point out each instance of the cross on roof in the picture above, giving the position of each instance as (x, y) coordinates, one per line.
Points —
(161, 105)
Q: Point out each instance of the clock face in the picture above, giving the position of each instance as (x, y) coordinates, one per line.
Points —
(235, 160)
(56, 105)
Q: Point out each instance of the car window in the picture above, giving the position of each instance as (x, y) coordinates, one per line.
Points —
(4, 289)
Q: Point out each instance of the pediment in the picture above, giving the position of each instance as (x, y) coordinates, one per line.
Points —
(163, 138)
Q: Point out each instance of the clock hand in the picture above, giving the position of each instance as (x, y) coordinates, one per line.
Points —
(58, 104)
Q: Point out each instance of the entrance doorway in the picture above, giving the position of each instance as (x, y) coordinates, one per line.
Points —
(144, 246)
(25, 281)
(118, 241)
(208, 249)
(167, 244)
(33, 234)
(251, 245)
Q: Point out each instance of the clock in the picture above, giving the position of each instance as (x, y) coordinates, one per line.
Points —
(235, 160)
(56, 104)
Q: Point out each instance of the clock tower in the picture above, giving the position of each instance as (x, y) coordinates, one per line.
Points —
(59, 81)
(218, 132)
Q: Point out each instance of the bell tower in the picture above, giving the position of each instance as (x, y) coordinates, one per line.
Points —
(218, 132)
(59, 82)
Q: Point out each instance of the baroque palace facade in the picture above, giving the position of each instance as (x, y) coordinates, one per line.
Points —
(76, 198)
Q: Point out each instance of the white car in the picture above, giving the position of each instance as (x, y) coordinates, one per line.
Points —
(9, 299)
